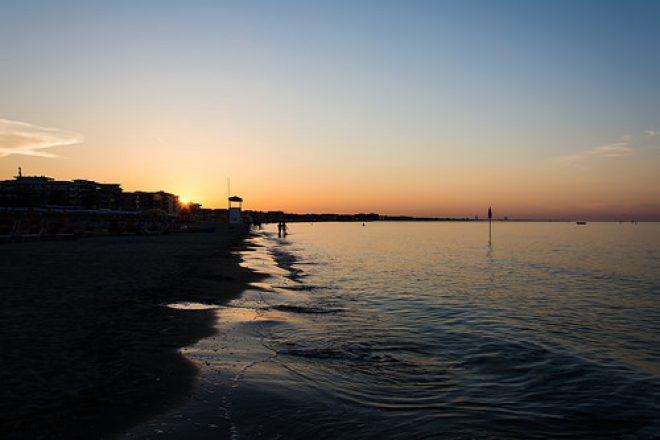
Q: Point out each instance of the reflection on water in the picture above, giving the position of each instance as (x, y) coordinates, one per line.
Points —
(420, 330)
(191, 306)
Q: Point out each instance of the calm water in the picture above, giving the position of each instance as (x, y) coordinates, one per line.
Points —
(420, 330)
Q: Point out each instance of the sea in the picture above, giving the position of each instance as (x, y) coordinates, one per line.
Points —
(435, 330)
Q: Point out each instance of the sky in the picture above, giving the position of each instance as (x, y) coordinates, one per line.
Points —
(540, 109)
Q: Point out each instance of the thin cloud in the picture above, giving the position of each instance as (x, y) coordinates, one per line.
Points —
(29, 140)
(651, 133)
(618, 149)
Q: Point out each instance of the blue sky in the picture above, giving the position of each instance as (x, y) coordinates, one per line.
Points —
(423, 108)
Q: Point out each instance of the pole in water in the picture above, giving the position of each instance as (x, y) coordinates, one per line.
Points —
(490, 226)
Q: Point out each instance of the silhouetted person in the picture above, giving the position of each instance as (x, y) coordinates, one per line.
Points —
(281, 229)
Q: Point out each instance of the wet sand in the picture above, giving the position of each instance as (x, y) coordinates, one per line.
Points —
(87, 346)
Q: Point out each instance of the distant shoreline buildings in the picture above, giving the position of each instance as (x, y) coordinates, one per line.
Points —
(41, 191)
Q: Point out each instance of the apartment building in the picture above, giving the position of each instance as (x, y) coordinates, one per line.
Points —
(42, 191)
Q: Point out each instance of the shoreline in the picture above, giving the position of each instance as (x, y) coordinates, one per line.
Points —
(88, 347)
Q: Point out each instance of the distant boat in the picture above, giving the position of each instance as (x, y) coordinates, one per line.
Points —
(581, 223)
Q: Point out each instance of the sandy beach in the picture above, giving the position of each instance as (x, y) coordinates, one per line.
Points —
(88, 347)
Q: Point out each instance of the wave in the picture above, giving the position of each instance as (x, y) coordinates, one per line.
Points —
(305, 309)
(352, 352)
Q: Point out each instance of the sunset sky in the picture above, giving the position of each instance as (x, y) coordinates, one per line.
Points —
(542, 109)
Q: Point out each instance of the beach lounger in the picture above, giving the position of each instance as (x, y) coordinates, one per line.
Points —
(28, 230)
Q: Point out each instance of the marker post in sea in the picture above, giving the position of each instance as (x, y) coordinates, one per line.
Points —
(490, 227)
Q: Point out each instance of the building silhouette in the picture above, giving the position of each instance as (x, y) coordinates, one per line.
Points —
(45, 192)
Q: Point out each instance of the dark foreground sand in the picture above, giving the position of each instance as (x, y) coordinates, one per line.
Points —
(86, 346)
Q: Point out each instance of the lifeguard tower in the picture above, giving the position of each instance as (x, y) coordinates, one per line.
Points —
(235, 205)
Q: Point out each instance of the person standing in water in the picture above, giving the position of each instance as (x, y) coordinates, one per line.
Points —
(281, 229)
